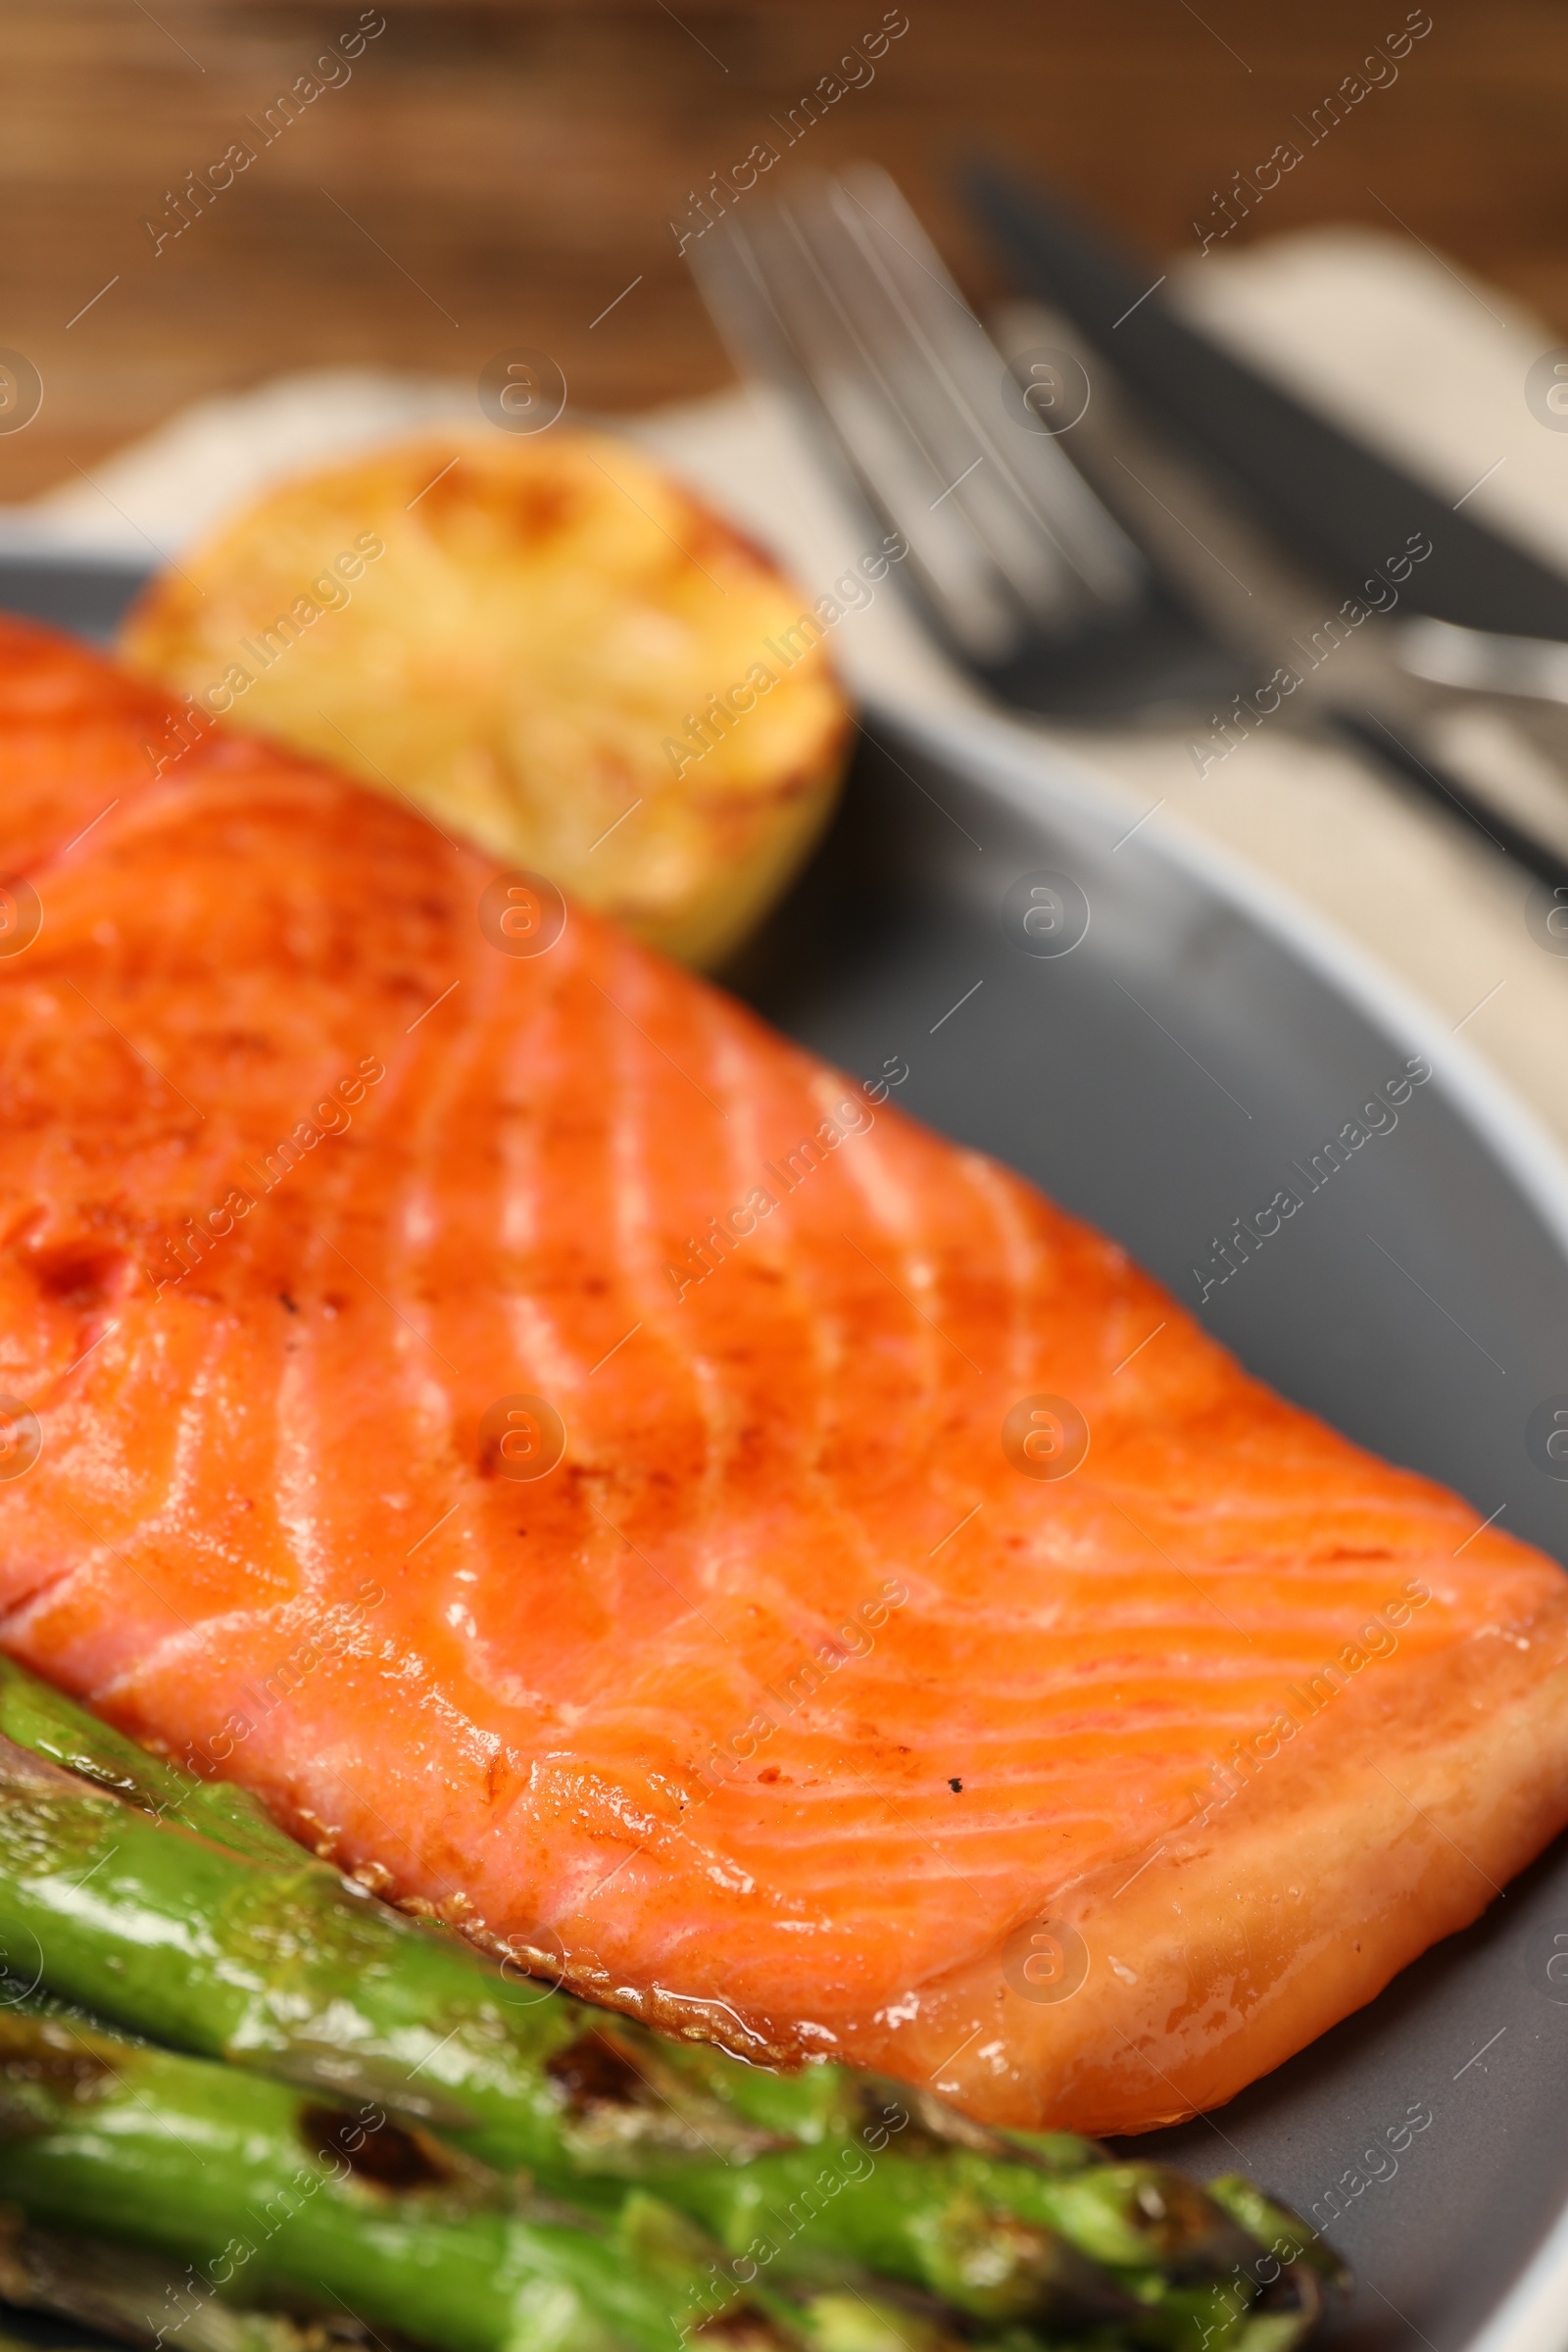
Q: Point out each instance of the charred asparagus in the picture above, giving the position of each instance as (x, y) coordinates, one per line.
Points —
(176, 1908)
(270, 2195)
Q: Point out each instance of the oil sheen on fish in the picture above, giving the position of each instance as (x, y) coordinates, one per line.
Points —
(790, 1703)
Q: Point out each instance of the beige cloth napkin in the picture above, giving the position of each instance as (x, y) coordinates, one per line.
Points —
(1381, 333)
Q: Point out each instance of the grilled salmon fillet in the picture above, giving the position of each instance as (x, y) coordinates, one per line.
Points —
(610, 1480)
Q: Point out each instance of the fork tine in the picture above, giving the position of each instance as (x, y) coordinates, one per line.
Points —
(920, 403)
(840, 297)
(908, 448)
(767, 294)
(1032, 467)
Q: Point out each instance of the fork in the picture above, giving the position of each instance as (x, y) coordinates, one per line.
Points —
(841, 300)
(1053, 602)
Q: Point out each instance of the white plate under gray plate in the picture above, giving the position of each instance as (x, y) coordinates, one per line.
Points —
(1203, 1035)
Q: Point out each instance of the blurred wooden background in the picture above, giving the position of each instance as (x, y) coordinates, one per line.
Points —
(511, 165)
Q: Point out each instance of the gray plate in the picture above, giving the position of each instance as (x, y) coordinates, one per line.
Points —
(1159, 1079)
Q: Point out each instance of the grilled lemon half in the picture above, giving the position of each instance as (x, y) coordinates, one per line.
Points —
(548, 646)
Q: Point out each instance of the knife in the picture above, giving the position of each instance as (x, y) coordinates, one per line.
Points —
(1328, 497)
(1236, 452)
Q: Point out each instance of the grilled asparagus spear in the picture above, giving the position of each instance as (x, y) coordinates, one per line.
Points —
(274, 2196)
(114, 2291)
(267, 2196)
(143, 2299)
(226, 1939)
(34, 1715)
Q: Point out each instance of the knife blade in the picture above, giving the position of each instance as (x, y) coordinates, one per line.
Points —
(1331, 500)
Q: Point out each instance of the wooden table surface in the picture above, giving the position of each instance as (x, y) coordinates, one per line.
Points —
(483, 176)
